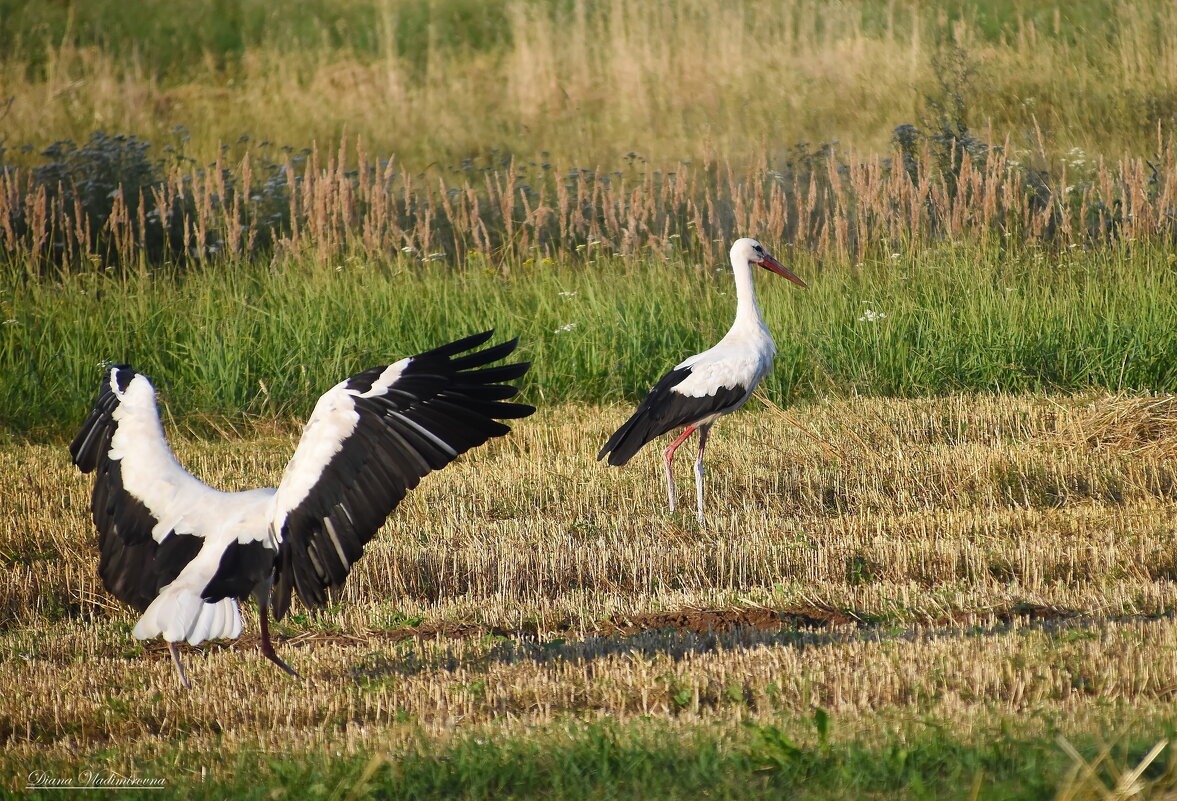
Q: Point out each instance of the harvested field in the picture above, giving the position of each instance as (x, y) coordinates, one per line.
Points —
(968, 562)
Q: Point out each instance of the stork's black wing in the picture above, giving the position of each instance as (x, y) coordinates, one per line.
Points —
(135, 486)
(369, 441)
(666, 409)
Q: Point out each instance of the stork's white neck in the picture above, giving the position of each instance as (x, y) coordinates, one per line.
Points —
(749, 321)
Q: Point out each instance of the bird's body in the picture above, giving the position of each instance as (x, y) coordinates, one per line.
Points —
(708, 385)
(184, 554)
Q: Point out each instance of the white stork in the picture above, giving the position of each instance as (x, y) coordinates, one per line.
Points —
(184, 554)
(707, 385)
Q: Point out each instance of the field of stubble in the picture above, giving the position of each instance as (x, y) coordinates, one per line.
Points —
(877, 574)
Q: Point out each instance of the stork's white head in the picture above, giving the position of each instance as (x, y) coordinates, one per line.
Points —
(749, 251)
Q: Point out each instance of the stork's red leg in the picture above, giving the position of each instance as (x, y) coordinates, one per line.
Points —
(667, 456)
(267, 647)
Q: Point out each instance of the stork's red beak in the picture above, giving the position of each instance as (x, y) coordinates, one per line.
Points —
(769, 263)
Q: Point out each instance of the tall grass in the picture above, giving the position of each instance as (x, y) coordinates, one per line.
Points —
(264, 341)
(441, 80)
(108, 201)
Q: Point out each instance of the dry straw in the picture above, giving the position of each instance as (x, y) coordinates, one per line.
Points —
(963, 559)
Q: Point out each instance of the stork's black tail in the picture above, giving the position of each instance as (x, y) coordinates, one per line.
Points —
(661, 411)
(629, 439)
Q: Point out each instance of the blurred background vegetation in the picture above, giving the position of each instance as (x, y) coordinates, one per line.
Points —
(324, 183)
(439, 81)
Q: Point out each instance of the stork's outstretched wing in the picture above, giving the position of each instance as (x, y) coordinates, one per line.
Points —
(369, 441)
(143, 499)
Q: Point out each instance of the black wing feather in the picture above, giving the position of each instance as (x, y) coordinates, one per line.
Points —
(448, 392)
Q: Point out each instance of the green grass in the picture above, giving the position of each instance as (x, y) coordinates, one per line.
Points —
(176, 42)
(624, 762)
(651, 760)
(238, 341)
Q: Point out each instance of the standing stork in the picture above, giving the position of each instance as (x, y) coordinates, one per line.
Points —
(707, 385)
(183, 554)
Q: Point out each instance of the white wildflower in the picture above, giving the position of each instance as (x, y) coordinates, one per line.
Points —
(565, 328)
(870, 316)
